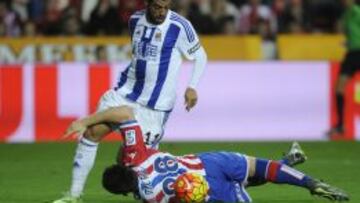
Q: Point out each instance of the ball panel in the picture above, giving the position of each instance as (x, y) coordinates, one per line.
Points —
(191, 187)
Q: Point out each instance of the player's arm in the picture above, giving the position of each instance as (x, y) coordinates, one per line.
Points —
(198, 70)
(111, 115)
(191, 48)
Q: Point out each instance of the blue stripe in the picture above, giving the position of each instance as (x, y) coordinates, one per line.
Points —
(140, 70)
(123, 78)
(132, 25)
(261, 166)
(166, 51)
(187, 26)
(188, 29)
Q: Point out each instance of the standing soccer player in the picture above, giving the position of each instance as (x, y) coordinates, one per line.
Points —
(160, 38)
(350, 65)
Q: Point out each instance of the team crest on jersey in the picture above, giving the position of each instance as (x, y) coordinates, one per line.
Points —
(130, 137)
(158, 37)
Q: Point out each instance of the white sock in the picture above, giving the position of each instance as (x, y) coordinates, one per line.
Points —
(83, 162)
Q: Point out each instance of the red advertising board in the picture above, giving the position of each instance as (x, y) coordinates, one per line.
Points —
(240, 101)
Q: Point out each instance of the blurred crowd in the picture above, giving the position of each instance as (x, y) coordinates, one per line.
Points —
(229, 17)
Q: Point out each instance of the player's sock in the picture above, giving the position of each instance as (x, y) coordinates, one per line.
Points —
(284, 161)
(340, 110)
(257, 181)
(276, 172)
(83, 162)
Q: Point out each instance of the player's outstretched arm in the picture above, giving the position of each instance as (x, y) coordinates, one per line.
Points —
(111, 115)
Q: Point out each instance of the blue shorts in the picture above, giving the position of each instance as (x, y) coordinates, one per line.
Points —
(226, 174)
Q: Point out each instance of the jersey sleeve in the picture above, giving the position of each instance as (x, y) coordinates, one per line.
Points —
(133, 20)
(134, 150)
(189, 42)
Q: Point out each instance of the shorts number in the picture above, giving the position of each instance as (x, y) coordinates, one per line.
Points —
(151, 139)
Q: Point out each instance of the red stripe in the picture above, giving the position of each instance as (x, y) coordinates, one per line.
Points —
(150, 169)
(49, 125)
(190, 156)
(198, 166)
(11, 98)
(272, 171)
(159, 196)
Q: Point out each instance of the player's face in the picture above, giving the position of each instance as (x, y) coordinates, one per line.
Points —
(157, 11)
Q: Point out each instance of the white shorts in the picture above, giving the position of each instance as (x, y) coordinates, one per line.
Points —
(152, 122)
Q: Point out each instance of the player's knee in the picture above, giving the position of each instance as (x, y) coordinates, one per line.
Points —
(252, 165)
(91, 135)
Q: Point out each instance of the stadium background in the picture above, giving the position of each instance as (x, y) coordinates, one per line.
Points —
(272, 68)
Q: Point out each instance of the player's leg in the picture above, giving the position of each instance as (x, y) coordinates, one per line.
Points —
(348, 68)
(152, 123)
(276, 172)
(87, 148)
(85, 155)
(293, 157)
(84, 160)
(338, 129)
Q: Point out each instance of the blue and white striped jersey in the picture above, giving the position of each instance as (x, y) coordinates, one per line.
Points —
(157, 51)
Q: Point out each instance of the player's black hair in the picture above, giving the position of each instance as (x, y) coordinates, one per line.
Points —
(119, 179)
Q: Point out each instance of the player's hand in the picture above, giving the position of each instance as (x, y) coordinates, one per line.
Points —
(190, 98)
(76, 128)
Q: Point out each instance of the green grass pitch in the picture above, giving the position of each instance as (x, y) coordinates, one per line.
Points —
(36, 173)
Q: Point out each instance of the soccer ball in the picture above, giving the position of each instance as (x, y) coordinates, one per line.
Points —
(191, 188)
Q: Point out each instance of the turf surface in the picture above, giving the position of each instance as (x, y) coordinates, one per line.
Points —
(37, 173)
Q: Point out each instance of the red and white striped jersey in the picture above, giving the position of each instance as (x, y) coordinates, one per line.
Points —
(158, 173)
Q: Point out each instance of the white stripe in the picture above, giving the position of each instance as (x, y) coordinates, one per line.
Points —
(129, 125)
(25, 131)
(190, 161)
(73, 99)
(292, 172)
(148, 162)
(357, 128)
(267, 168)
(247, 168)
